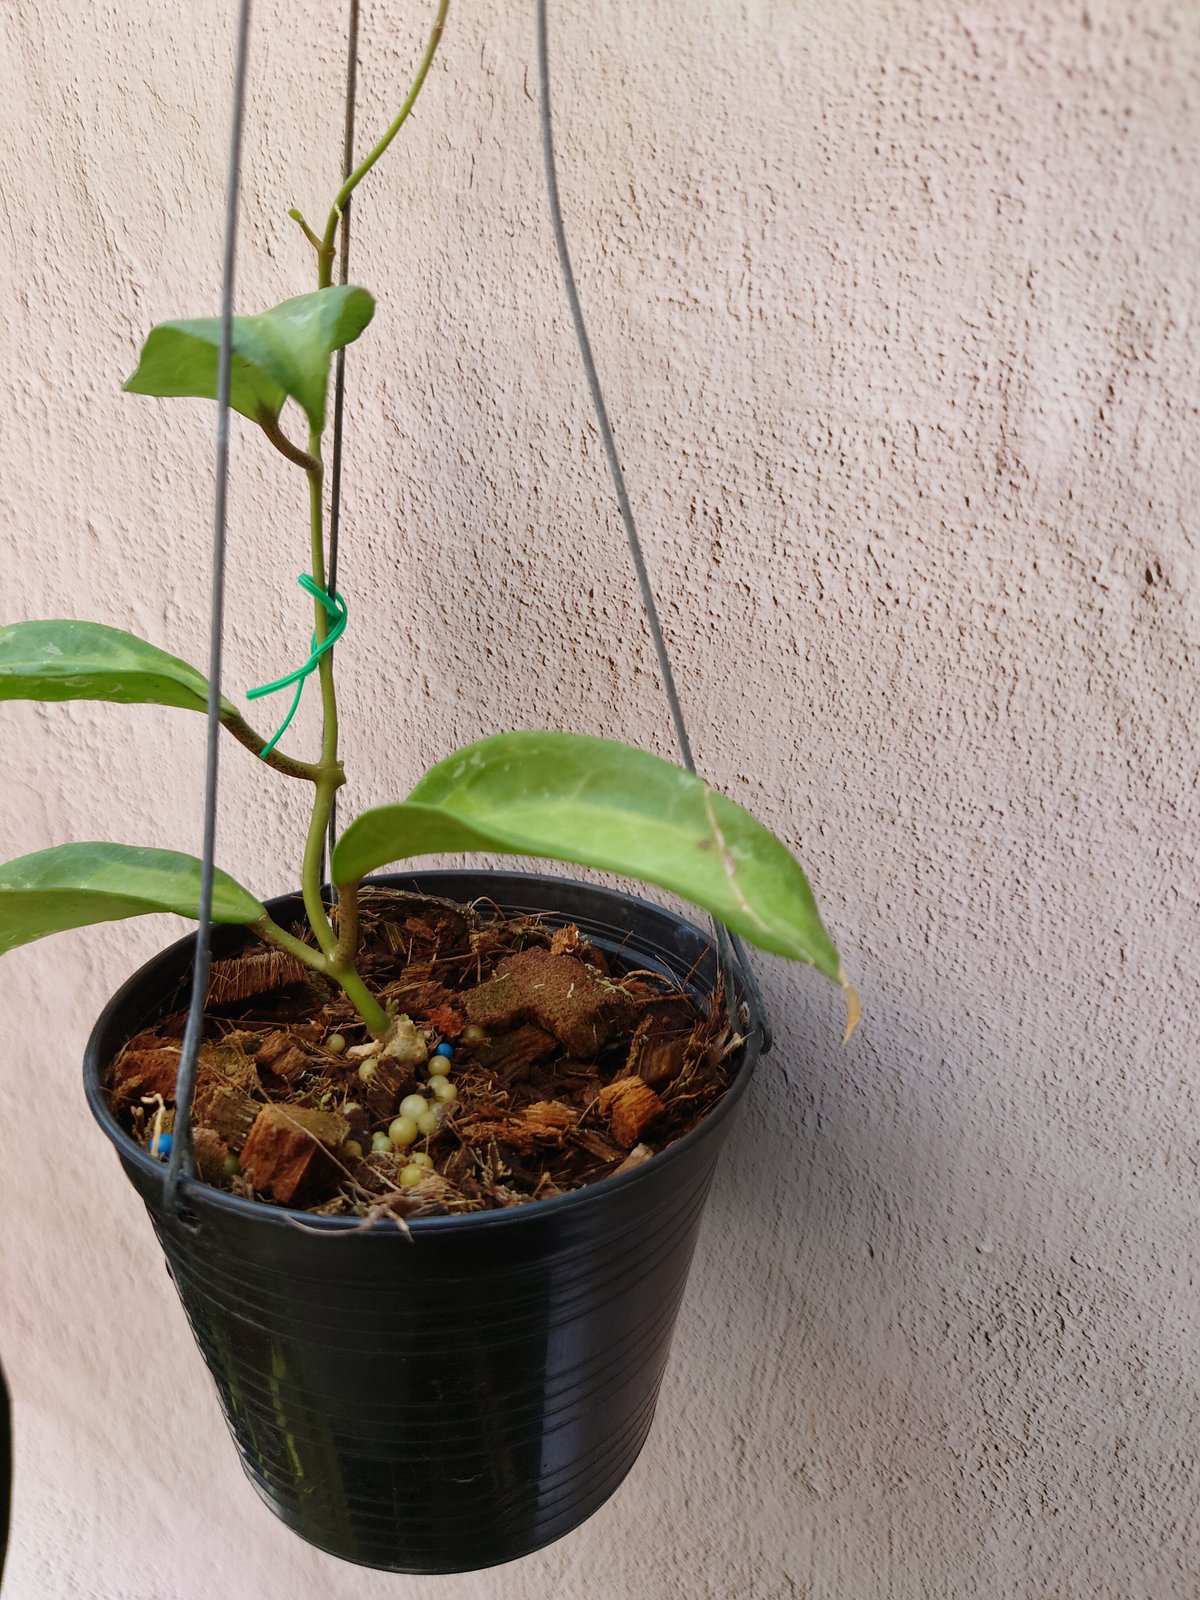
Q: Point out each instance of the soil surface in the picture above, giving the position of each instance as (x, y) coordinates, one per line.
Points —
(556, 1067)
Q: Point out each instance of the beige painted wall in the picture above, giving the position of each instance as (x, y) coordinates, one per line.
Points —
(897, 306)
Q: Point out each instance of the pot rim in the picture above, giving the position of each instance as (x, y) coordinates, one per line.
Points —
(197, 1195)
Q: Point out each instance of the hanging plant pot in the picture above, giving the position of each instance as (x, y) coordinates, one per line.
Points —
(455, 1395)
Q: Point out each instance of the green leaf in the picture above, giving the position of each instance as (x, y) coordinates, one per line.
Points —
(278, 354)
(88, 661)
(76, 884)
(568, 797)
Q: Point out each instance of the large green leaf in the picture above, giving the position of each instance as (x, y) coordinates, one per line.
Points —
(279, 353)
(88, 661)
(76, 884)
(568, 797)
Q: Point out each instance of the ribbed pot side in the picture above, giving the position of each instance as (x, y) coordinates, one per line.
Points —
(463, 1392)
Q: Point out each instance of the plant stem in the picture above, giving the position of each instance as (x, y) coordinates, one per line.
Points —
(337, 954)
(327, 784)
(267, 928)
(342, 968)
(338, 950)
(343, 974)
(326, 250)
(298, 216)
(347, 923)
(233, 722)
(283, 444)
(379, 1024)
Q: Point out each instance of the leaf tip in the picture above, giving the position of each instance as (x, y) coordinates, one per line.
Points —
(853, 1006)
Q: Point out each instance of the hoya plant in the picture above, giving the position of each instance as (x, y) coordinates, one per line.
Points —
(553, 795)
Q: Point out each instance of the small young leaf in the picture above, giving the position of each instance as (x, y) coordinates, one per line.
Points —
(76, 884)
(88, 661)
(279, 353)
(568, 797)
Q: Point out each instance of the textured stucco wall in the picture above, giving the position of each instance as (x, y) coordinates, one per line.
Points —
(897, 307)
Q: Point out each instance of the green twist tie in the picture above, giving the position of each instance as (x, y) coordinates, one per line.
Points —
(335, 610)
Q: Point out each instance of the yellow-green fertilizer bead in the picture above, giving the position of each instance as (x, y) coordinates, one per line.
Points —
(412, 1105)
(352, 1150)
(381, 1144)
(429, 1122)
(410, 1175)
(366, 1072)
(473, 1034)
(444, 1090)
(336, 1043)
(404, 1131)
(439, 1066)
(421, 1158)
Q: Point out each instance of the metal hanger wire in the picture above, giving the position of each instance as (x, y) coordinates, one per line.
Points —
(339, 370)
(732, 952)
(181, 1161)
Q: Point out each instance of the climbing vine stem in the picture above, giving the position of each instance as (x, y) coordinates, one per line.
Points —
(325, 251)
(339, 950)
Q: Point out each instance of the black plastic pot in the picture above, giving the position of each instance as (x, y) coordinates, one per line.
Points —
(5, 1468)
(457, 1398)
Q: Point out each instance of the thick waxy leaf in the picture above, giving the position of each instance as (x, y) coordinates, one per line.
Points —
(87, 661)
(568, 797)
(279, 353)
(76, 884)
